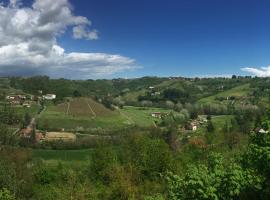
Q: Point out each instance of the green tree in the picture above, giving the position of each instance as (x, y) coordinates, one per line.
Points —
(6, 136)
(216, 180)
(151, 157)
(26, 120)
(76, 93)
(210, 127)
(257, 158)
(7, 175)
(101, 161)
(5, 194)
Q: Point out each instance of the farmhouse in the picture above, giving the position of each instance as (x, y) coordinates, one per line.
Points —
(27, 132)
(262, 131)
(39, 137)
(49, 96)
(156, 114)
(192, 126)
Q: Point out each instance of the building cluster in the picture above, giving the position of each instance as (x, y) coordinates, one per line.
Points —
(28, 100)
(24, 100)
(154, 91)
(40, 137)
(196, 123)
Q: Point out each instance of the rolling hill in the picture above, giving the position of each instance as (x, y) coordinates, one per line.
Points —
(239, 91)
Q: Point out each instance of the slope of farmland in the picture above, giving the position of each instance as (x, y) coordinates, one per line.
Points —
(239, 91)
(79, 112)
(83, 107)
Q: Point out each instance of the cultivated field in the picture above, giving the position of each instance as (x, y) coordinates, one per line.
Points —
(78, 114)
(64, 136)
(84, 107)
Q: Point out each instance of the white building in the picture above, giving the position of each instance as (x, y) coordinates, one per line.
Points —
(49, 96)
(194, 128)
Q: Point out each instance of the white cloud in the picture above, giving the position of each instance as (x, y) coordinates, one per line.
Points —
(28, 42)
(15, 3)
(80, 32)
(260, 72)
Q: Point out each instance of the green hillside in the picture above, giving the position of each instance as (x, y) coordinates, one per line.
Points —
(239, 91)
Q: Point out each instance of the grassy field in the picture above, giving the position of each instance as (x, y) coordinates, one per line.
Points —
(142, 116)
(57, 120)
(133, 96)
(68, 158)
(239, 91)
(32, 111)
(63, 155)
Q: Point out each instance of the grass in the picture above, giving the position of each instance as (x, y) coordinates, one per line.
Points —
(133, 96)
(68, 157)
(57, 120)
(239, 91)
(32, 111)
(63, 155)
(142, 116)
(219, 121)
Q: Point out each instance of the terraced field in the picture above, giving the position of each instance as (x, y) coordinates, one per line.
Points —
(84, 107)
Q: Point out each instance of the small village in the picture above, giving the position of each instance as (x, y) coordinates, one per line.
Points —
(26, 101)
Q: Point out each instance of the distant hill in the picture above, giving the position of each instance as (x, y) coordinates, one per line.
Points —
(134, 91)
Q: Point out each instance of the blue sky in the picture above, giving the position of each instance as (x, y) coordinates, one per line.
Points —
(180, 37)
(176, 37)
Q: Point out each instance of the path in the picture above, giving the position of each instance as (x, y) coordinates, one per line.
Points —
(131, 121)
(16, 131)
(32, 124)
(95, 115)
(68, 108)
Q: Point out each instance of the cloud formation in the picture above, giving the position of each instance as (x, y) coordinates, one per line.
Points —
(28, 42)
(261, 72)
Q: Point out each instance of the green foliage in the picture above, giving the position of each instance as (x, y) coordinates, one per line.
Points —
(6, 195)
(44, 176)
(101, 162)
(156, 197)
(212, 181)
(27, 120)
(6, 136)
(8, 115)
(7, 175)
(151, 157)
(15, 175)
(257, 158)
(210, 127)
(175, 95)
